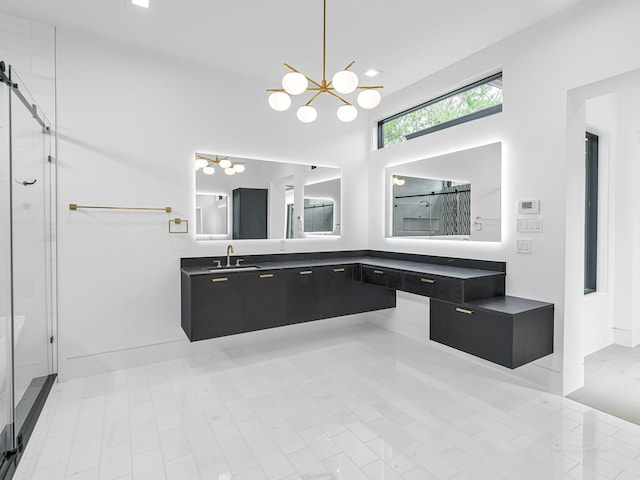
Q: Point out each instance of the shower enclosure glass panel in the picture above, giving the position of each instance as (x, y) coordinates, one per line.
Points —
(6, 400)
(30, 147)
(27, 265)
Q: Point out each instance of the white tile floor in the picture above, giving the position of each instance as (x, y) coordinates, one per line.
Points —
(612, 382)
(358, 403)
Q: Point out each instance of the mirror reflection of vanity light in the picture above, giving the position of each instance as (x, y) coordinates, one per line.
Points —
(398, 181)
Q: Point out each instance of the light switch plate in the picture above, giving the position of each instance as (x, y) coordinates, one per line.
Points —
(523, 245)
(529, 225)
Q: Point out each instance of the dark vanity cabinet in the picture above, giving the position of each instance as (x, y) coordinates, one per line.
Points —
(434, 286)
(383, 277)
(304, 295)
(265, 300)
(250, 213)
(215, 309)
(337, 288)
(509, 331)
(468, 308)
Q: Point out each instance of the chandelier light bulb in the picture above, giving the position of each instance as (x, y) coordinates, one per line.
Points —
(347, 113)
(295, 83)
(345, 81)
(307, 114)
(279, 101)
(208, 170)
(238, 167)
(225, 163)
(201, 163)
(369, 98)
(229, 171)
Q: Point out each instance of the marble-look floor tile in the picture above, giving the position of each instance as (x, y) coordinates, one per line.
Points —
(357, 403)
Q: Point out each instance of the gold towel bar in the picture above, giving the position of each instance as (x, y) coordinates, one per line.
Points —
(74, 206)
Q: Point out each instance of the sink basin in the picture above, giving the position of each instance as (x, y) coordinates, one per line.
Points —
(239, 268)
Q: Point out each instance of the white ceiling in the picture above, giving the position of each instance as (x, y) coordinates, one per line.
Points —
(407, 39)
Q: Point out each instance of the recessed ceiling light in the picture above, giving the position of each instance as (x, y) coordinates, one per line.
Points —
(372, 72)
(141, 3)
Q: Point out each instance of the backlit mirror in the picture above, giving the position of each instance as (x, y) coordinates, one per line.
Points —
(452, 196)
(243, 198)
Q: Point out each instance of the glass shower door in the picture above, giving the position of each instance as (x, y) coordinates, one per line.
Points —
(6, 379)
(31, 253)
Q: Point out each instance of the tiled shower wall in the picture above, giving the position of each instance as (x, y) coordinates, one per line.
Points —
(30, 48)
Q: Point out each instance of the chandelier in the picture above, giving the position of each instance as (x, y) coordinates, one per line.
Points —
(343, 82)
(229, 167)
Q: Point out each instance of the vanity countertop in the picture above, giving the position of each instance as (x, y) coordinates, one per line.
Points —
(395, 264)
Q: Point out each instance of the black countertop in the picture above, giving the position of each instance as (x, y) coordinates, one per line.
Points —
(509, 305)
(395, 264)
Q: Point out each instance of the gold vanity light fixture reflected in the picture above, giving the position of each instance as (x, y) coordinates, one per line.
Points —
(229, 167)
(398, 181)
(343, 82)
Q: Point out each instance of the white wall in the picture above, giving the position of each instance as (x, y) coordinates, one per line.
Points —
(627, 224)
(587, 43)
(129, 125)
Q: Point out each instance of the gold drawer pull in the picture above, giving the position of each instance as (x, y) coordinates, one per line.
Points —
(338, 269)
(306, 272)
(222, 279)
(427, 280)
(464, 310)
(266, 275)
(379, 272)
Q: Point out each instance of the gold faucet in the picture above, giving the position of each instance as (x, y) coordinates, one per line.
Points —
(229, 252)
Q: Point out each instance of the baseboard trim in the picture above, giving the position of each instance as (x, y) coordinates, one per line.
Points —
(626, 338)
(104, 362)
(598, 341)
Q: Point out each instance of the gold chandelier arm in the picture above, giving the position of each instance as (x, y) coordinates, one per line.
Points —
(298, 71)
(275, 89)
(338, 97)
(314, 97)
(350, 65)
(368, 87)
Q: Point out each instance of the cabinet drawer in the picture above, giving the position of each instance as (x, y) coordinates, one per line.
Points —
(482, 333)
(382, 277)
(434, 286)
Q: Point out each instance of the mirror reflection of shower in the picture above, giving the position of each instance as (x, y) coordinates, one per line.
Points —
(431, 207)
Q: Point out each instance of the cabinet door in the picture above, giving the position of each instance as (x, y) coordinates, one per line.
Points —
(482, 333)
(265, 300)
(337, 290)
(382, 277)
(304, 295)
(434, 286)
(216, 305)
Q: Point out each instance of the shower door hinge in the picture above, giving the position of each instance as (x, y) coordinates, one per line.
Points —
(50, 158)
(51, 339)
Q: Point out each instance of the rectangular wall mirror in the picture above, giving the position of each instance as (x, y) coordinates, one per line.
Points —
(454, 196)
(244, 198)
